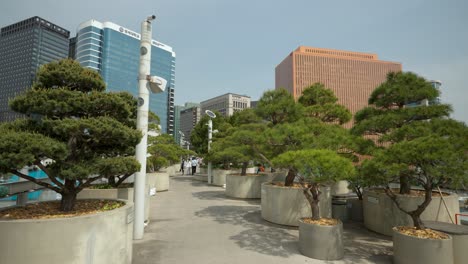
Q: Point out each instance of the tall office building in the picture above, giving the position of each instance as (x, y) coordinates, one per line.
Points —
(24, 46)
(226, 104)
(189, 117)
(113, 51)
(178, 109)
(351, 75)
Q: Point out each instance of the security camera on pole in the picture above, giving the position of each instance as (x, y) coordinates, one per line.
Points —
(156, 84)
(210, 131)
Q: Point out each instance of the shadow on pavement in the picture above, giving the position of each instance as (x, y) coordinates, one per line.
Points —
(364, 246)
(219, 194)
(259, 236)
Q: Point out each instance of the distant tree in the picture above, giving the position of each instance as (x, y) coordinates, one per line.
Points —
(278, 106)
(388, 110)
(164, 152)
(199, 135)
(88, 133)
(321, 103)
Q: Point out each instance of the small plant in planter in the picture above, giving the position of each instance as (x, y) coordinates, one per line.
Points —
(320, 238)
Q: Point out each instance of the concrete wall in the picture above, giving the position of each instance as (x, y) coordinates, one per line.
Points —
(158, 180)
(99, 238)
(248, 186)
(116, 193)
(381, 214)
(219, 176)
(286, 205)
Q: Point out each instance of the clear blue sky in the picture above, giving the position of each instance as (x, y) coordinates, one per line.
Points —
(234, 46)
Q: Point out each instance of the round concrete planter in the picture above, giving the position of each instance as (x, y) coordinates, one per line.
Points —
(158, 180)
(381, 214)
(202, 170)
(248, 186)
(410, 250)
(459, 234)
(115, 193)
(286, 205)
(99, 238)
(251, 170)
(219, 176)
(321, 242)
(171, 170)
(201, 177)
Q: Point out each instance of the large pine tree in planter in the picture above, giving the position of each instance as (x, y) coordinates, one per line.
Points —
(70, 119)
(390, 108)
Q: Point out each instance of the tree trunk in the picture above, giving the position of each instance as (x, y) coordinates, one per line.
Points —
(405, 186)
(111, 181)
(417, 222)
(244, 168)
(68, 201)
(290, 178)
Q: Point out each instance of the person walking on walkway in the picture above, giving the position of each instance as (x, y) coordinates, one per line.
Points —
(194, 165)
(188, 166)
(182, 166)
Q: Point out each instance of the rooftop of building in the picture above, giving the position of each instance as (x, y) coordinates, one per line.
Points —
(35, 20)
(123, 30)
(336, 53)
(223, 95)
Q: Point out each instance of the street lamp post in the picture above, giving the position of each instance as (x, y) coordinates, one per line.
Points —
(146, 82)
(210, 131)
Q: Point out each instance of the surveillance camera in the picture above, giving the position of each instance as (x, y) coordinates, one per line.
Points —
(153, 17)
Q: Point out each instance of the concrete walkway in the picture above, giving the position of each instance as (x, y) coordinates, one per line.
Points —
(195, 223)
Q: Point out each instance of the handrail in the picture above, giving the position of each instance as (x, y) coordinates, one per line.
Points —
(456, 217)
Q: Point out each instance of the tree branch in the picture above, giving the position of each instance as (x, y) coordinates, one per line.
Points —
(88, 182)
(123, 178)
(52, 178)
(393, 197)
(31, 179)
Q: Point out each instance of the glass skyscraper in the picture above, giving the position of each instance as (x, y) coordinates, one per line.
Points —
(113, 51)
(24, 46)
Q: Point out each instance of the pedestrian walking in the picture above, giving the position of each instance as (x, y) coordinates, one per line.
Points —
(194, 165)
(188, 166)
(182, 165)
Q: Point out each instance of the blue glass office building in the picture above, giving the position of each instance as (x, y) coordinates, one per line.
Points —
(113, 51)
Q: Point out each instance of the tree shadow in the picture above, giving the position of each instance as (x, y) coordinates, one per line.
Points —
(189, 179)
(260, 236)
(364, 246)
(221, 196)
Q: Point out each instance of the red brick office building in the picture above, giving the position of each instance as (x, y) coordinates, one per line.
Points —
(351, 75)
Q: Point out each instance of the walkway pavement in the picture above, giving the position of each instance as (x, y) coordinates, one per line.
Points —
(195, 223)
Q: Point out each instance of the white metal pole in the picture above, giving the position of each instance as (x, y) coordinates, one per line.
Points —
(142, 125)
(210, 129)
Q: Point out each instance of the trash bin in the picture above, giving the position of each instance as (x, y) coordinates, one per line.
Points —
(339, 206)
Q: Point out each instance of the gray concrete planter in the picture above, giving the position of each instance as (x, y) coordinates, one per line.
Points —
(99, 238)
(381, 214)
(410, 250)
(459, 235)
(158, 180)
(115, 193)
(248, 186)
(321, 242)
(286, 205)
(202, 170)
(201, 177)
(219, 176)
